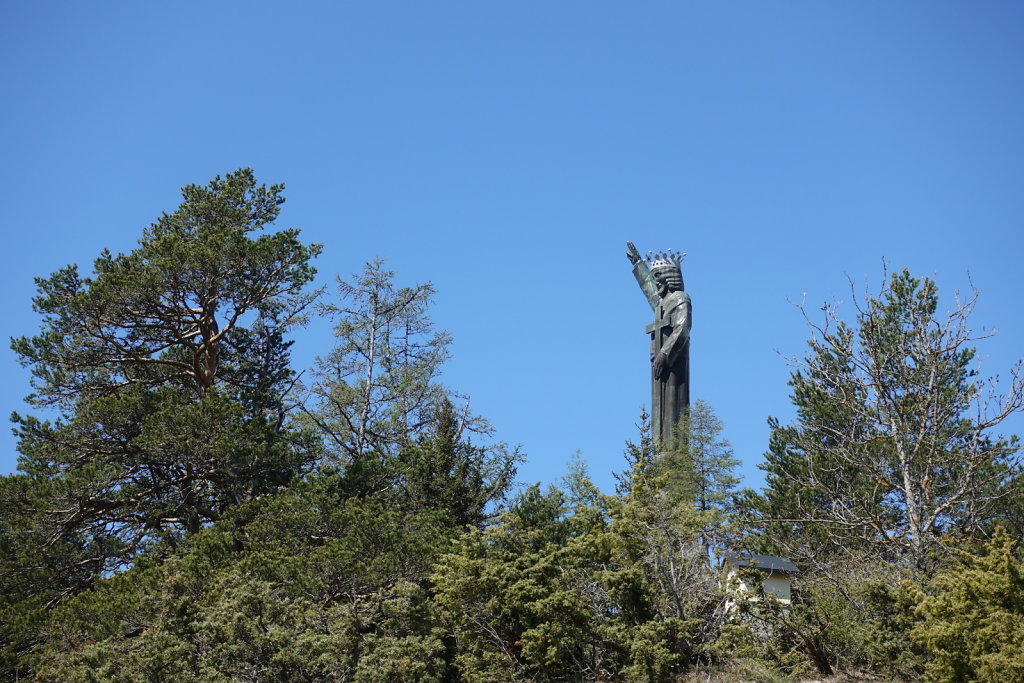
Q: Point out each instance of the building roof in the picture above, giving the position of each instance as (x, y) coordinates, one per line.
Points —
(769, 563)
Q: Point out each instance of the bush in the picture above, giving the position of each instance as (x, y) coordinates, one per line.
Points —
(971, 616)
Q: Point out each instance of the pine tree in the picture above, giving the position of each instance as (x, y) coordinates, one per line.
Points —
(894, 445)
(168, 370)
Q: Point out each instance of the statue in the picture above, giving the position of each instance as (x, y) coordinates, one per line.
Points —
(661, 279)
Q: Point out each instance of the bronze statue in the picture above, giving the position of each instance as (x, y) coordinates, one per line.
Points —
(661, 278)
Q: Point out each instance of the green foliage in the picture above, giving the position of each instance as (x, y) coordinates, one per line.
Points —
(168, 369)
(703, 464)
(893, 446)
(758, 654)
(173, 522)
(866, 613)
(304, 585)
(854, 615)
(582, 586)
(891, 457)
(970, 617)
(34, 572)
(443, 471)
(701, 468)
(380, 411)
(310, 583)
(171, 312)
(377, 389)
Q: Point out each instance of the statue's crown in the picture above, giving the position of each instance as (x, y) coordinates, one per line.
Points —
(665, 259)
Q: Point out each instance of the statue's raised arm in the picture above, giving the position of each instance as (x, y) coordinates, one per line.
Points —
(642, 273)
(660, 278)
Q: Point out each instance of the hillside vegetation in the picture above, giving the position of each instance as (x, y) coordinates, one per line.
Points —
(190, 507)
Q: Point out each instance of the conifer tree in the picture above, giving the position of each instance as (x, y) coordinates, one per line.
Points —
(377, 390)
(167, 370)
(445, 471)
(702, 467)
(895, 442)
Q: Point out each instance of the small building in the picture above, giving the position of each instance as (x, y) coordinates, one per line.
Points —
(774, 574)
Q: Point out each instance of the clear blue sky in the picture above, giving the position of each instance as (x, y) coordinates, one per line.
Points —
(506, 151)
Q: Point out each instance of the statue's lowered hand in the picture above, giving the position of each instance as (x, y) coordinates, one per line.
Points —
(661, 366)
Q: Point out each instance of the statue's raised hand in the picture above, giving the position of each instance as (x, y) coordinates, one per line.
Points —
(632, 254)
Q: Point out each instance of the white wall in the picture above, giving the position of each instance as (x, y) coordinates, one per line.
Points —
(777, 585)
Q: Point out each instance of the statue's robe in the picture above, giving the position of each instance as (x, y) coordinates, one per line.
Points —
(670, 396)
